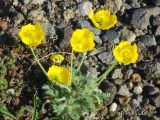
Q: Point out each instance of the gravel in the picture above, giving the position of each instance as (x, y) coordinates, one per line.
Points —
(124, 91)
(106, 57)
(140, 18)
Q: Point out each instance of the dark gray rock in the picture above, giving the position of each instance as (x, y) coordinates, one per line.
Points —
(157, 32)
(109, 88)
(156, 100)
(110, 36)
(148, 40)
(134, 103)
(150, 90)
(156, 20)
(106, 57)
(141, 17)
(155, 2)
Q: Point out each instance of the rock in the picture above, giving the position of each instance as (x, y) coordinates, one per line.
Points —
(12, 91)
(106, 57)
(156, 2)
(129, 84)
(108, 87)
(38, 1)
(68, 14)
(113, 107)
(148, 40)
(118, 81)
(124, 100)
(26, 1)
(110, 36)
(51, 30)
(156, 81)
(134, 103)
(137, 90)
(117, 74)
(156, 100)
(150, 90)
(37, 14)
(85, 8)
(141, 17)
(156, 20)
(98, 40)
(136, 77)
(127, 35)
(124, 91)
(82, 23)
(128, 73)
(157, 32)
(3, 25)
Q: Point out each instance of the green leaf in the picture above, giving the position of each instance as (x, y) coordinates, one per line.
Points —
(7, 113)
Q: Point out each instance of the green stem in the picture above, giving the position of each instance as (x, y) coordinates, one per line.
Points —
(82, 60)
(37, 60)
(71, 63)
(100, 79)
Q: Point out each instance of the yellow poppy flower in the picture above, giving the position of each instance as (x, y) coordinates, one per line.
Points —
(82, 40)
(59, 75)
(102, 19)
(32, 35)
(56, 58)
(126, 53)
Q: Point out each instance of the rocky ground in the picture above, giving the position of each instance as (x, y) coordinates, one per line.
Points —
(135, 89)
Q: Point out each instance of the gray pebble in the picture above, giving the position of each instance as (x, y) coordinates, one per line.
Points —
(148, 40)
(134, 103)
(110, 36)
(124, 91)
(106, 57)
(141, 17)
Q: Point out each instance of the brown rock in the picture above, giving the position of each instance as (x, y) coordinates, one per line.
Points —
(3, 24)
(136, 77)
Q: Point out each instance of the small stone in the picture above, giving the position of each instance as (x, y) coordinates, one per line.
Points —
(106, 57)
(68, 14)
(128, 73)
(113, 107)
(3, 24)
(85, 8)
(127, 35)
(150, 89)
(156, 20)
(12, 91)
(117, 74)
(110, 36)
(110, 88)
(137, 90)
(118, 81)
(156, 2)
(141, 17)
(51, 30)
(83, 24)
(149, 107)
(156, 100)
(124, 91)
(157, 32)
(136, 77)
(26, 1)
(134, 103)
(156, 82)
(98, 40)
(129, 84)
(148, 40)
(38, 1)
(124, 100)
